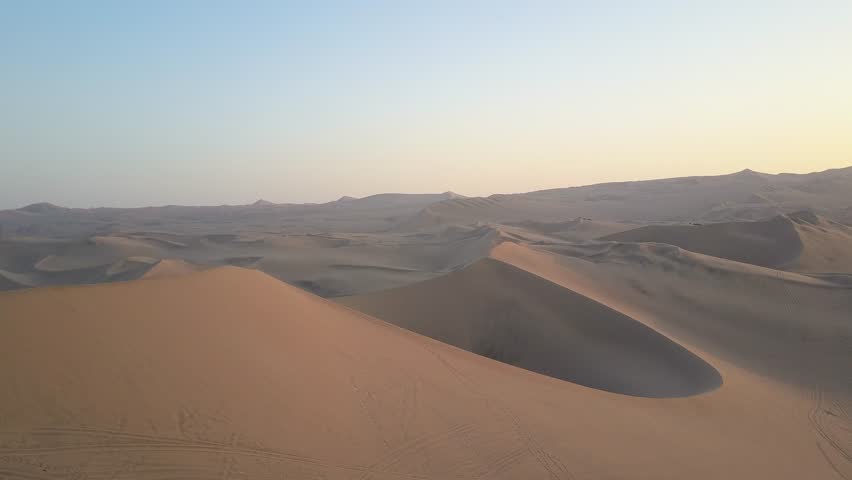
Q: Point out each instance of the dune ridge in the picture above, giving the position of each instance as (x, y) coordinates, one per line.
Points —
(745, 195)
(231, 372)
(681, 328)
(499, 311)
(797, 332)
(800, 241)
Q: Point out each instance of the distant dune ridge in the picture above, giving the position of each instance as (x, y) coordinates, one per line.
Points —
(801, 241)
(694, 328)
(746, 195)
(357, 245)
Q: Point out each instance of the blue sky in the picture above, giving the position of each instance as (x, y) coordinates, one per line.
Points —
(113, 103)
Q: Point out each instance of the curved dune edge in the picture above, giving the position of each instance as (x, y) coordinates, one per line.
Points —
(130, 266)
(787, 326)
(800, 241)
(231, 370)
(170, 268)
(767, 243)
(507, 314)
(12, 281)
(63, 264)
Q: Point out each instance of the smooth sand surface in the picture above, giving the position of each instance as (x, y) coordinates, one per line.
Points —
(771, 243)
(745, 195)
(499, 311)
(331, 264)
(230, 373)
(787, 326)
(801, 241)
(355, 246)
(170, 268)
(687, 328)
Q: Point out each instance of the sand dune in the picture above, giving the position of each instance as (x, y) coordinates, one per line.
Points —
(827, 245)
(130, 266)
(355, 246)
(170, 268)
(64, 263)
(329, 264)
(579, 229)
(801, 241)
(126, 245)
(664, 350)
(504, 313)
(745, 195)
(232, 373)
(774, 242)
(11, 281)
(792, 327)
(376, 213)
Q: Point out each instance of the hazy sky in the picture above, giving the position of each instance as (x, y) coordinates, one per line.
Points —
(139, 103)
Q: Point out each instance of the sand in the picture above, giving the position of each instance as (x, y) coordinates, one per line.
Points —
(231, 373)
(355, 246)
(801, 241)
(682, 328)
(499, 311)
(745, 195)
(331, 264)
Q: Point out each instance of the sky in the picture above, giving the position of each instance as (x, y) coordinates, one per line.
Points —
(205, 103)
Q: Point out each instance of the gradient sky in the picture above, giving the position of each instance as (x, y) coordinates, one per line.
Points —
(119, 104)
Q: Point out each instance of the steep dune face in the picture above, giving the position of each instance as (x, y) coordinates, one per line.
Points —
(504, 313)
(792, 327)
(229, 373)
(170, 268)
(801, 241)
(577, 230)
(827, 245)
(768, 243)
(130, 268)
(8, 281)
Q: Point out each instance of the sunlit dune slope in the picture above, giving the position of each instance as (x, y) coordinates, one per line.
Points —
(501, 312)
(800, 241)
(229, 373)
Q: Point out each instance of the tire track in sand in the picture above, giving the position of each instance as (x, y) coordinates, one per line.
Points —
(120, 442)
(554, 467)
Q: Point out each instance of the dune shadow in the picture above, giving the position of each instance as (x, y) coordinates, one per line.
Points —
(513, 316)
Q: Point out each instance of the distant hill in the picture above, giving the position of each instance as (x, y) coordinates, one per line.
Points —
(42, 207)
(374, 213)
(745, 195)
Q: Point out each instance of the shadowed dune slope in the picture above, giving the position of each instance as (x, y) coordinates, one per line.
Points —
(328, 264)
(170, 268)
(767, 243)
(8, 283)
(579, 229)
(501, 312)
(229, 373)
(785, 325)
(801, 241)
(827, 245)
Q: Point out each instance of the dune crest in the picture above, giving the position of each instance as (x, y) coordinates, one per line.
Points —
(170, 268)
(769, 243)
(800, 241)
(230, 370)
(507, 314)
